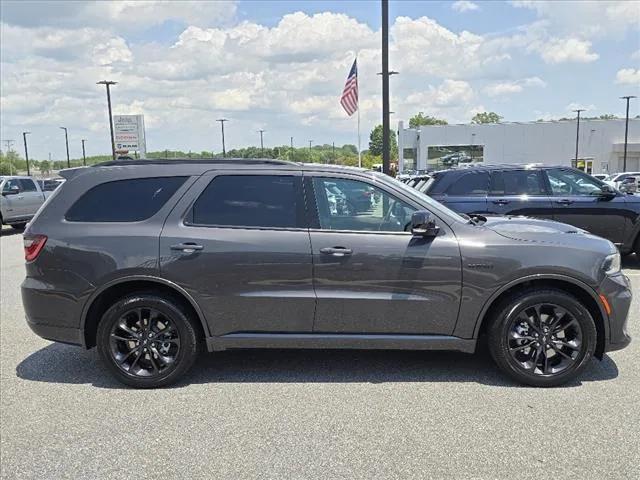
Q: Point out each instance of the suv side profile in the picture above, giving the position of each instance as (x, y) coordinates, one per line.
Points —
(557, 193)
(154, 261)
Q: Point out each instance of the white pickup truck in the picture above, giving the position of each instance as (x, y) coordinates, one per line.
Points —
(21, 198)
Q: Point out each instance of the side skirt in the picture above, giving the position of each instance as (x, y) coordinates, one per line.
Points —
(334, 340)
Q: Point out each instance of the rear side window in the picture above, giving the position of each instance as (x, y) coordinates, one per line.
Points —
(249, 201)
(124, 200)
(517, 182)
(473, 183)
(27, 185)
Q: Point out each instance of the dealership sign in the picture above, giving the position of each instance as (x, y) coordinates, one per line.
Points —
(129, 132)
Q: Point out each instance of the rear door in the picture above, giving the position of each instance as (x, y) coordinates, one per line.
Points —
(239, 244)
(578, 201)
(32, 197)
(519, 192)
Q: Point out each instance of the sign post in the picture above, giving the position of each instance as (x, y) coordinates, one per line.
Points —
(129, 133)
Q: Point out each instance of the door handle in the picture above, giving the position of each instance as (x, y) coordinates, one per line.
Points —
(501, 202)
(564, 201)
(336, 251)
(187, 247)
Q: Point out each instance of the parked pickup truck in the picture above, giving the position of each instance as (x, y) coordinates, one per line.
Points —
(21, 198)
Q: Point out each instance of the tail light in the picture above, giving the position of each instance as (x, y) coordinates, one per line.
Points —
(33, 244)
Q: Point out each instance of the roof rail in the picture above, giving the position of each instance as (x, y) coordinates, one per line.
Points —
(169, 161)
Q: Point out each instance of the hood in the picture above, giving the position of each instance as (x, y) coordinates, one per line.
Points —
(533, 229)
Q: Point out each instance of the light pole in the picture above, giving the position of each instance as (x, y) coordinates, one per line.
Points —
(26, 152)
(577, 135)
(222, 120)
(310, 145)
(626, 132)
(66, 139)
(261, 143)
(84, 157)
(108, 83)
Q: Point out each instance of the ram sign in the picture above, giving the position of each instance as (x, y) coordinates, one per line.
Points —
(128, 131)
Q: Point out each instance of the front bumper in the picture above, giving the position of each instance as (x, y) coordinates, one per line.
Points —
(617, 290)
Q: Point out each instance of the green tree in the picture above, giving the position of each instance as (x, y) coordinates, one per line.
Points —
(45, 167)
(375, 142)
(422, 119)
(5, 168)
(486, 117)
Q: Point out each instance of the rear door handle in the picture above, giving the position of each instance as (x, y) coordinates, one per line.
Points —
(501, 202)
(186, 247)
(336, 251)
(564, 201)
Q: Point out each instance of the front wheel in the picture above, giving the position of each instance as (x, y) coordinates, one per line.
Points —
(147, 340)
(542, 338)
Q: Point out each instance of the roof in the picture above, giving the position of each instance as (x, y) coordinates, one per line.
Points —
(195, 161)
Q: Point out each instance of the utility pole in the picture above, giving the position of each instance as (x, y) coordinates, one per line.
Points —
(66, 139)
(26, 152)
(577, 135)
(222, 120)
(84, 157)
(333, 148)
(626, 132)
(108, 83)
(261, 143)
(310, 145)
(9, 143)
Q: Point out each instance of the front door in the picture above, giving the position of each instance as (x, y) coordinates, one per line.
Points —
(519, 192)
(370, 274)
(578, 201)
(14, 202)
(239, 244)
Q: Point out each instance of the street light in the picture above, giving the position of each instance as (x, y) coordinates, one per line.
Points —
(261, 143)
(26, 152)
(626, 132)
(222, 120)
(66, 139)
(577, 134)
(108, 83)
(84, 157)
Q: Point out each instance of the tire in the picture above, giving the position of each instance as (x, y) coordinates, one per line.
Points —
(525, 348)
(142, 355)
(19, 226)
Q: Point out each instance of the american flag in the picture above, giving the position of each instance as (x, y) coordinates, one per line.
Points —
(349, 99)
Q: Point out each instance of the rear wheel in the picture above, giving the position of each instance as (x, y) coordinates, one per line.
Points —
(542, 338)
(147, 340)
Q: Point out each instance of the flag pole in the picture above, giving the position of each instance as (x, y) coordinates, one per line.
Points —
(359, 146)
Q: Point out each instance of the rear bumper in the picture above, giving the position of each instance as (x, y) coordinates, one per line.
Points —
(617, 290)
(55, 333)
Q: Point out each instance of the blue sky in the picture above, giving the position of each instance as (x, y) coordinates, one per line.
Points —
(280, 66)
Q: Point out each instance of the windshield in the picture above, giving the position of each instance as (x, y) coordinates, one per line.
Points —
(426, 199)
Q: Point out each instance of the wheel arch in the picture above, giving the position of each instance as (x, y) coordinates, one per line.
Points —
(575, 287)
(104, 297)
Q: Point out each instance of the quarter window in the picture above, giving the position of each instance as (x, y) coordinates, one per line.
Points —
(353, 205)
(472, 183)
(517, 182)
(268, 201)
(124, 200)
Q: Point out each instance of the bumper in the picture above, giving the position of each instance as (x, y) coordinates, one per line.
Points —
(54, 333)
(617, 291)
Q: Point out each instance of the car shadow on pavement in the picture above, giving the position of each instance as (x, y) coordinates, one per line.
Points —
(631, 261)
(8, 231)
(58, 363)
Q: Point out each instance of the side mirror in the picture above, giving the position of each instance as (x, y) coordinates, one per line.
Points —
(13, 190)
(422, 225)
(608, 191)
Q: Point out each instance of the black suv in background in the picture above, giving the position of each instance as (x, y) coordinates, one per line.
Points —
(558, 193)
(151, 261)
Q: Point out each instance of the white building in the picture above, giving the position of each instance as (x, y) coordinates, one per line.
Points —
(600, 145)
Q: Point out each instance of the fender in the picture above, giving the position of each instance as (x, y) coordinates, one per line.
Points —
(541, 276)
(146, 278)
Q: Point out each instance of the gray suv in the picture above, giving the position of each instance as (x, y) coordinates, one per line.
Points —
(152, 261)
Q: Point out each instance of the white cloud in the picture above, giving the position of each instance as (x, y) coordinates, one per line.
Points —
(516, 86)
(561, 50)
(628, 76)
(464, 6)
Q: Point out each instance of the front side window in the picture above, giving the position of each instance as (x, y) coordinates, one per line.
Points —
(472, 183)
(124, 200)
(354, 205)
(11, 185)
(517, 182)
(570, 182)
(267, 201)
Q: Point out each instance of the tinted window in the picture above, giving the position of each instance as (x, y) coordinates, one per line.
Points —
(353, 205)
(475, 183)
(248, 201)
(124, 200)
(517, 182)
(27, 185)
(570, 182)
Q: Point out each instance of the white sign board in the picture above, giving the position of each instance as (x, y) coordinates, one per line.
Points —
(128, 131)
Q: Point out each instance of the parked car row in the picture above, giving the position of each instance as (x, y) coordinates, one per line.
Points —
(559, 193)
(22, 196)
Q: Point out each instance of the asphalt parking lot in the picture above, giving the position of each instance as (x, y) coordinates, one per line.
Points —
(320, 414)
